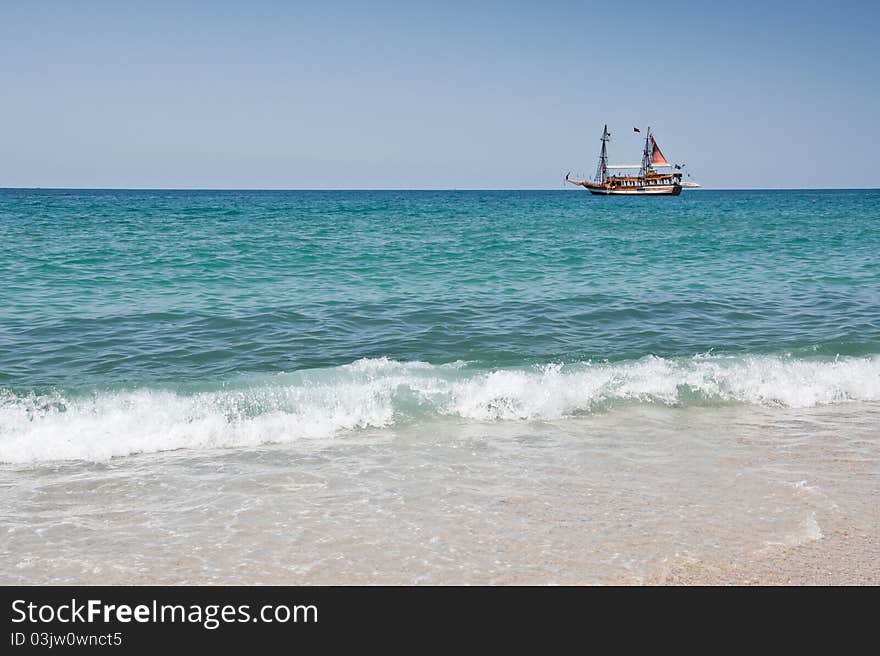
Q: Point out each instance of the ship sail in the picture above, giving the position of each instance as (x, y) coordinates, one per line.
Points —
(657, 158)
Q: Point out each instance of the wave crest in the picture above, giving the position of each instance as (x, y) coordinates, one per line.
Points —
(379, 393)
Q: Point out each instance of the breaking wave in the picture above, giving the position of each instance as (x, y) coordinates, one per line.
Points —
(380, 393)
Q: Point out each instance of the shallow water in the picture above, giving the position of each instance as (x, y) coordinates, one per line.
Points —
(617, 498)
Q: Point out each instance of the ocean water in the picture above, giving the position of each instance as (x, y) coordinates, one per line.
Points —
(440, 387)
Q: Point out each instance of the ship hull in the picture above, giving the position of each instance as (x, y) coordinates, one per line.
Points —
(664, 190)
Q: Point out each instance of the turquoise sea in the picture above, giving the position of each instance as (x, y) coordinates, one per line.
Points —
(379, 331)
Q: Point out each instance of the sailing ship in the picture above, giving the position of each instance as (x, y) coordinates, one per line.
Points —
(648, 180)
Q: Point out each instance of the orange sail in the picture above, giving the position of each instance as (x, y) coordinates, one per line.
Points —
(657, 158)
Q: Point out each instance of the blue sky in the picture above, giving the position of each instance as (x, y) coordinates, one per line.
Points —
(433, 95)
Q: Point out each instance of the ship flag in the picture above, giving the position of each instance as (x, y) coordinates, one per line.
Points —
(636, 130)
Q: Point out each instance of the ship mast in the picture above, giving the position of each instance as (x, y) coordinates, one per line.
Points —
(646, 162)
(602, 170)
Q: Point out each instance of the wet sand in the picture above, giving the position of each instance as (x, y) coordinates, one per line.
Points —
(842, 558)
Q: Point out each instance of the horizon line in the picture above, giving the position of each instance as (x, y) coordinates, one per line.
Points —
(566, 189)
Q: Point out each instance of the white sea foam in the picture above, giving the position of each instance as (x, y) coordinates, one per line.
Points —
(380, 393)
